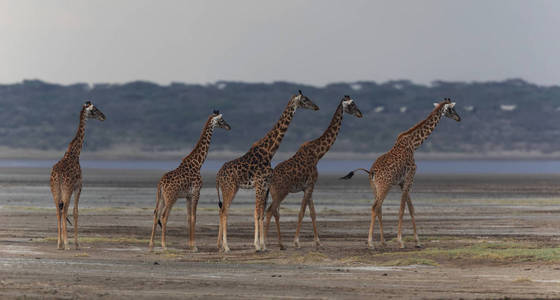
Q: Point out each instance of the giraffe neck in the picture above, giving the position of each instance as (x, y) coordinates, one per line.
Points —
(322, 144)
(420, 132)
(75, 146)
(198, 155)
(271, 141)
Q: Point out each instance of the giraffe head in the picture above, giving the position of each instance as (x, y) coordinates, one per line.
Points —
(93, 112)
(218, 121)
(448, 109)
(302, 101)
(350, 107)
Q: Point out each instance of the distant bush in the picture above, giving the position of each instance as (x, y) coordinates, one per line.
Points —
(41, 115)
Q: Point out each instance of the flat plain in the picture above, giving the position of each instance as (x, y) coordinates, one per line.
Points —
(483, 236)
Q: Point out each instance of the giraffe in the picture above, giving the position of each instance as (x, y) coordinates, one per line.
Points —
(185, 181)
(299, 173)
(253, 170)
(66, 177)
(397, 167)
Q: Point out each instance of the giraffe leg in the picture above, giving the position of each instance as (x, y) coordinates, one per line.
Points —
(371, 226)
(274, 209)
(256, 219)
(189, 219)
(220, 230)
(221, 227)
(277, 221)
(401, 213)
(300, 218)
(379, 215)
(156, 219)
(55, 190)
(228, 196)
(313, 217)
(405, 198)
(411, 211)
(224, 217)
(269, 214)
(59, 229)
(195, 197)
(164, 217)
(380, 194)
(66, 202)
(77, 193)
(260, 193)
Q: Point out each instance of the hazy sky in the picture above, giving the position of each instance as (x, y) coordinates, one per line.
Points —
(313, 42)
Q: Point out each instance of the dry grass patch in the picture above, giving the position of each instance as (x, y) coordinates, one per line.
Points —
(311, 257)
(523, 280)
(508, 251)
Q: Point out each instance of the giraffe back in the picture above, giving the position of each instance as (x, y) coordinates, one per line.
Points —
(241, 172)
(67, 173)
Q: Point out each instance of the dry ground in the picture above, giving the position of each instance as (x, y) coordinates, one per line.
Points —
(475, 252)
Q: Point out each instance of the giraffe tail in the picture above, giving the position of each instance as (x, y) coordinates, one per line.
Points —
(60, 207)
(266, 197)
(218, 190)
(349, 175)
(158, 204)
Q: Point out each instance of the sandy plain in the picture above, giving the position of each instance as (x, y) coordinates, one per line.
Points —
(483, 236)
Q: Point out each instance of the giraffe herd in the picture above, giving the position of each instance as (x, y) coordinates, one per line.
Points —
(253, 170)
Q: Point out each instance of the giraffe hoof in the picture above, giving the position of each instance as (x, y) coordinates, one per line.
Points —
(296, 244)
(282, 247)
(226, 250)
(419, 245)
(401, 246)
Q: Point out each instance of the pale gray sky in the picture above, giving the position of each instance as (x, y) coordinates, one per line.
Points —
(313, 42)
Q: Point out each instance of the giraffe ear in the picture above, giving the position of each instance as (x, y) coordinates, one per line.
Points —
(436, 104)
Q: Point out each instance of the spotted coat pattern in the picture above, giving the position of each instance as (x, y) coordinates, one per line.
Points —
(398, 167)
(253, 170)
(66, 177)
(299, 172)
(185, 181)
